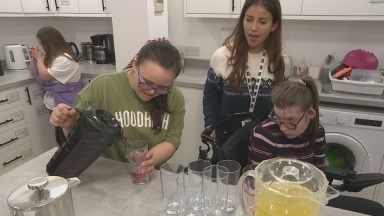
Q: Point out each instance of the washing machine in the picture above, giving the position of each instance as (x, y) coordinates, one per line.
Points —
(354, 137)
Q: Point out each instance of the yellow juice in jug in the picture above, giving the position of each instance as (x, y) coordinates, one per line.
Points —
(271, 202)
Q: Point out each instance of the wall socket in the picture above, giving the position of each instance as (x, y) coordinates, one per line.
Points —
(188, 50)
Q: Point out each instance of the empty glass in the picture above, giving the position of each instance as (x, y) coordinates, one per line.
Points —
(234, 168)
(215, 190)
(189, 194)
(136, 152)
(168, 175)
(196, 172)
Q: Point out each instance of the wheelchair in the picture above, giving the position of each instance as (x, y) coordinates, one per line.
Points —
(235, 147)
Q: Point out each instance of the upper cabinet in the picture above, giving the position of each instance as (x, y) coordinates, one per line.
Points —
(291, 7)
(343, 7)
(94, 6)
(10, 6)
(50, 6)
(212, 8)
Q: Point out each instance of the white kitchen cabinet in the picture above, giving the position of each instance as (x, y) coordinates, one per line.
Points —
(50, 6)
(94, 6)
(25, 131)
(291, 7)
(343, 7)
(10, 6)
(43, 133)
(212, 8)
(193, 126)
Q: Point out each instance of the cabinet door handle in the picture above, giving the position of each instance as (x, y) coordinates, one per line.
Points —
(103, 5)
(9, 141)
(57, 7)
(13, 160)
(6, 121)
(3, 101)
(49, 9)
(28, 96)
(233, 5)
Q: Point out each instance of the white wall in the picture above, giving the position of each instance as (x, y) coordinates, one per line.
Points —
(23, 30)
(313, 40)
(134, 25)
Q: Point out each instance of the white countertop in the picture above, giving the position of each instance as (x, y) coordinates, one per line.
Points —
(106, 190)
(193, 77)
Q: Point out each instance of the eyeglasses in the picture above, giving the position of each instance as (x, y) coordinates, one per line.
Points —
(144, 85)
(289, 125)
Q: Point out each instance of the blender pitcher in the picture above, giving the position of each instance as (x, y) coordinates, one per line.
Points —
(284, 186)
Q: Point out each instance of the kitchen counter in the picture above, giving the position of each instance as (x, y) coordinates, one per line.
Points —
(14, 78)
(106, 189)
(194, 76)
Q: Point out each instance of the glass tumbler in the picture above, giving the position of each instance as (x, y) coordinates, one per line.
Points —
(234, 169)
(168, 175)
(136, 152)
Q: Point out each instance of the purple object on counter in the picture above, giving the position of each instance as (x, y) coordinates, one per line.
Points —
(361, 59)
(62, 93)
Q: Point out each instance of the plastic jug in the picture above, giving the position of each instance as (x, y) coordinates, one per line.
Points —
(284, 186)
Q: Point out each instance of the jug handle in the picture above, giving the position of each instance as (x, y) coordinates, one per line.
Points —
(27, 58)
(331, 193)
(73, 182)
(247, 199)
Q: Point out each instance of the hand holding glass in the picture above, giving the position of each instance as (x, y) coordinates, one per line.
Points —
(136, 152)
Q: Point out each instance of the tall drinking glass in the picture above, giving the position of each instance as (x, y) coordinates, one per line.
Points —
(136, 152)
(234, 169)
(168, 175)
(189, 192)
(215, 187)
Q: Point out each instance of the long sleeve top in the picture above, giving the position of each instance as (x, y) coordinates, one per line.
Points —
(267, 141)
(220, 100)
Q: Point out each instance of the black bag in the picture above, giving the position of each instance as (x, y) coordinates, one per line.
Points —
(94, 132)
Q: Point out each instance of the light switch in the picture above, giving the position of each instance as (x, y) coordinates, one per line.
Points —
(159, 6)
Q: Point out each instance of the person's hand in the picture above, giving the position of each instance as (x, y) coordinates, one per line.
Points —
(34, 52)
(63, 116)
(148, 165)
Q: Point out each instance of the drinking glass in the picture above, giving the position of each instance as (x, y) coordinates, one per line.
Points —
(136, 152)
(168, 175)
(234, 169)
(196, 171)
(189, 193)
(215, 189)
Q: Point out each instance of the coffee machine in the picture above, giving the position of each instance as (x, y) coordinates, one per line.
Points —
(104, 48)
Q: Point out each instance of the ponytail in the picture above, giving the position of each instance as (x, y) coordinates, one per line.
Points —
(303, 94)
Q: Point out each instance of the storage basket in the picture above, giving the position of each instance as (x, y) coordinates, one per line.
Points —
(356, 86)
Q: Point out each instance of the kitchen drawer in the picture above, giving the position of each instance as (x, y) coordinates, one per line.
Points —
(12, 118)
(13, 137)
(15, 156)
(11, 98)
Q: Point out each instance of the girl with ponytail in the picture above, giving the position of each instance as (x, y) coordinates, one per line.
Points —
(293, 130)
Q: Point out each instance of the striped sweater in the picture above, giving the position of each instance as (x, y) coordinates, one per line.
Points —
(267, 141)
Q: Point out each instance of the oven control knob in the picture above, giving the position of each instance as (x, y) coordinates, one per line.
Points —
(341, 120)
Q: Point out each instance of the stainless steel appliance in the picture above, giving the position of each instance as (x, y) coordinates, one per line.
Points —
(17, 57)
(106, 43)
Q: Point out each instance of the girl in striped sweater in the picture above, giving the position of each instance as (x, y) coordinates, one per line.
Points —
(293, 130)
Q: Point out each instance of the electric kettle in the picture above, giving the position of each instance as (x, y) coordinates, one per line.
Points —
(43, 196)
(284, 186)
(17, 57)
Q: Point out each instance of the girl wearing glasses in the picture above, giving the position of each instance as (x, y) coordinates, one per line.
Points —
(293, 130)
(243, 71)
(142, 98)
